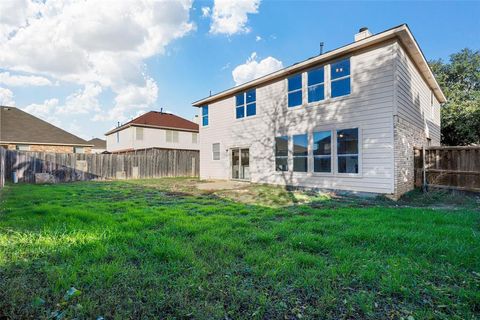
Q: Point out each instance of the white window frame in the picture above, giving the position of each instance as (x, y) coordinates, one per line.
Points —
(301, 74)
(283, 157)
(171, 136)
(245, 104)
(216, 153)
(359, 154)
(341, 78)
(194, 137)
(118, 136)
(324, 83)
(305, 156)
(202, 116)
(332, 157)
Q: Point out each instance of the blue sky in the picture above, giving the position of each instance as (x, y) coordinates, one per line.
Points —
(88, 75)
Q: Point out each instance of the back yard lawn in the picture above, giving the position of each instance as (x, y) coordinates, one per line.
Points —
(164, 249)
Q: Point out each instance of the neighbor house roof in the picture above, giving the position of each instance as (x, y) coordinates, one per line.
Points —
(98, 143)
(401, 33)
(160, 120)
(19, 127)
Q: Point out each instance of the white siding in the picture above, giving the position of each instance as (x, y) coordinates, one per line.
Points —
(152, 138)
(414, 98)
(369, 107)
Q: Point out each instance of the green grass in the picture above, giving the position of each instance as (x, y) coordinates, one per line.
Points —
(162, 249)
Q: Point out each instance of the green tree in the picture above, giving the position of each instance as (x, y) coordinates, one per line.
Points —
(460, 81)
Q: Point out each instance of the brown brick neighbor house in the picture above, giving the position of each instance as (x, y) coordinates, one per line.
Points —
(20, 130)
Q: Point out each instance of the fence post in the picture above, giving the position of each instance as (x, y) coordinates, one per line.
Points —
(424, 171)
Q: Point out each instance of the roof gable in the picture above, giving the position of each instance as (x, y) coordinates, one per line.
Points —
(161, 120)
(17, 126)
(401, 33)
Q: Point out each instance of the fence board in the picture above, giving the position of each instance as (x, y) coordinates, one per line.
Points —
(151, 163)
(449, 167)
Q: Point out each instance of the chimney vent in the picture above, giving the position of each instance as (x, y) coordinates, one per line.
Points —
(363, 33)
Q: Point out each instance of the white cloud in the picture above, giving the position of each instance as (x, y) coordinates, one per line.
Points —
(22, 81)
(231, 16)
(83, 101)
(6, 97)
(132, 99)
(45, 110)
(252, 69)
(206, 12)
(91, 43)
(258, 38)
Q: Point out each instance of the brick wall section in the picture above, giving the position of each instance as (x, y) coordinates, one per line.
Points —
(406, 137)
(49, 148)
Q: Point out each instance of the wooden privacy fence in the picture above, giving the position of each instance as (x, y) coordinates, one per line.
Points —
(448, 167)
(151, 163)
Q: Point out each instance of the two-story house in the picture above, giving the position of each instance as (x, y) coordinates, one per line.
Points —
(154, 129)
(348, 119)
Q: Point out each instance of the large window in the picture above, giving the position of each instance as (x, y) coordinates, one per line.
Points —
(171, 136)
(205, 116)
(316, 87)
(340, 78)
(300, 153)
(322, 151)
(216, 151)
(347, 150)
(245, 104)
(295, 90)
(281, 153)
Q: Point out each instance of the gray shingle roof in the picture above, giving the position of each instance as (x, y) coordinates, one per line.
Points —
(17, 126)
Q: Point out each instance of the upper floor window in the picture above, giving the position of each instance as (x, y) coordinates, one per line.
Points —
(245, 104)
(194, 137)
(281, 153)
(138, 133)
(347, 150)
(316, 85)
(118, 137)
(205, 116)
(295, 90)
(300, 153)
(171, 136)
(340, 78)
(322, 151)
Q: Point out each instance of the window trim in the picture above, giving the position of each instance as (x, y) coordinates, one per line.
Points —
(324, 83)
(18, 146)
(359, 174)
(75, 150)
(207, 116)
(301, 74)
(303, 156)
(219, 151)
(331, 81)
(283, 157)
(245, 104)
(172, 136)
(332, 152)
(195, 134)
(334, 158)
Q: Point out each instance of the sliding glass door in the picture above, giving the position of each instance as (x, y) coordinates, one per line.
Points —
(240, 164)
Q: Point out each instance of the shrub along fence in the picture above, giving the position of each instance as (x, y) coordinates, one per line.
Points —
(448, 167)
(61, 167)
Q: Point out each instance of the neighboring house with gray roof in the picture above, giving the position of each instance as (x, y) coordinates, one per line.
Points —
(21, 131)
(99, 145)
